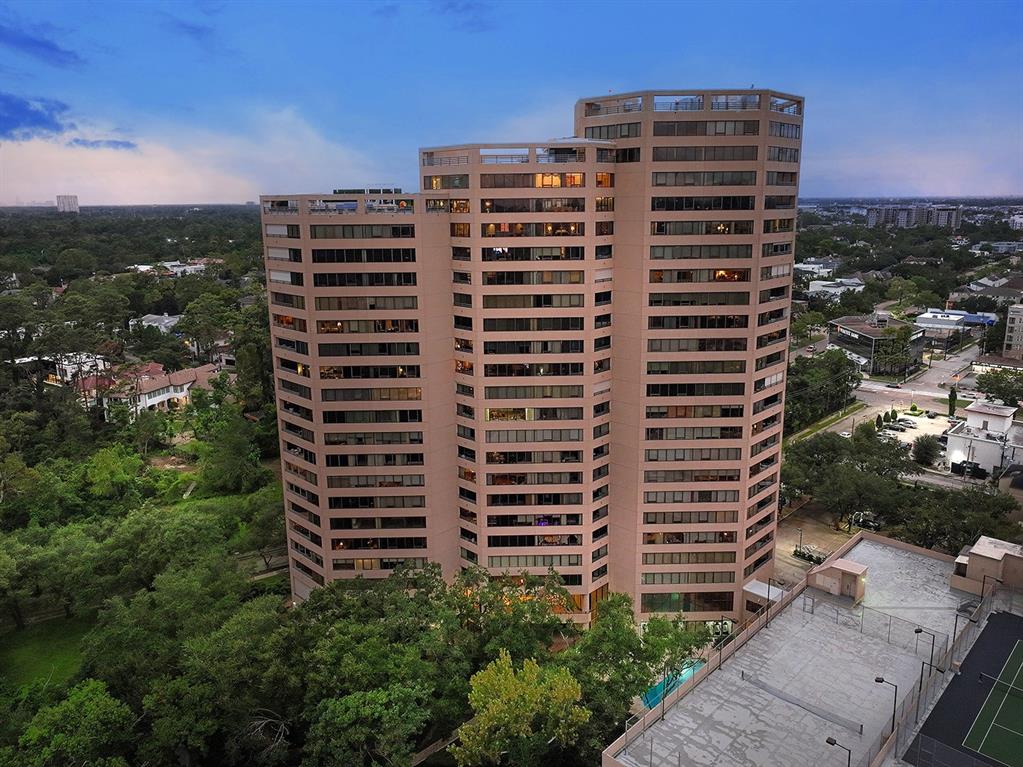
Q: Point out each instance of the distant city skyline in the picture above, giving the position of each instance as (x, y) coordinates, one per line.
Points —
(210, 102)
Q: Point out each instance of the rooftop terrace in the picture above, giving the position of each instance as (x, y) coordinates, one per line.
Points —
(809, 673)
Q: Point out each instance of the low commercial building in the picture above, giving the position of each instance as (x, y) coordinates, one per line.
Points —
(986, 441)
(833, 289)
(871, 338)
(940, 324)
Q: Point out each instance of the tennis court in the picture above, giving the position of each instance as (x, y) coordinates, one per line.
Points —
(997, 732)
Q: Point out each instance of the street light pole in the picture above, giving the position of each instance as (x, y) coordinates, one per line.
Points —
(920, 689)
(848, 752)
(800, 538)
(933, 637)
(895, 699)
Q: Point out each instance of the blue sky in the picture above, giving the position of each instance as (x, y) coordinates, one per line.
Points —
(210, 101)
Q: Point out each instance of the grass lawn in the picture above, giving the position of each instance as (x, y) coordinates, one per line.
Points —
(43, 649)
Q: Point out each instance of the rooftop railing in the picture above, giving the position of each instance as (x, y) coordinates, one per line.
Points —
(735, 103)
(786, 106)
(280, 209)
(504, 159)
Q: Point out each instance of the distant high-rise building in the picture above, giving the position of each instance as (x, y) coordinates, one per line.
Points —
(67, 203)
(909, 216)
(568, 354)
(1016, 222)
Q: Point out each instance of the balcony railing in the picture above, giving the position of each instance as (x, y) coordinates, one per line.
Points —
(786, 106)
(678, 103)
(462, 159)
(735, 103)
(596, 109)
(576, 156)
(504, 159)
(280, 210)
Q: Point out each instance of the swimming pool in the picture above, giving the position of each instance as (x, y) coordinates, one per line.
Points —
(653, 696)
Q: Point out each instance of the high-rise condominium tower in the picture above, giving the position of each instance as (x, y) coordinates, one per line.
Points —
(564, 355)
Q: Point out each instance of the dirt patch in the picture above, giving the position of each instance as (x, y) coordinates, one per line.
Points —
(172, 462)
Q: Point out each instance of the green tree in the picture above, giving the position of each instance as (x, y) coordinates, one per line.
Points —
(886, 417)
(374, 727)
(112, 472)
(613, 665)
(88, 727)
(1005, 385)
(818, 386)
(519, 715)
(878, 422)
(231, 460)
(264, 522)
(952, 397)
(206, 319)
(926, 449)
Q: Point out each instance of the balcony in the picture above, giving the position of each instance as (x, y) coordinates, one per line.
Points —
(597, 108)
(504, 159)
(430, 161)
(333, 207)
(743, 103)
(561, 155)
(289, 207)
(786, 106)
(678, 103)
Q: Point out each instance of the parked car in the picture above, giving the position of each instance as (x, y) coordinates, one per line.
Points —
(931, 414)
(907, 424)
(894, 386)
(846, 434)
(896, 427)
(811, 349)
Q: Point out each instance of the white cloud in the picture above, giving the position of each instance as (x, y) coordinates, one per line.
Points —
(279, 153)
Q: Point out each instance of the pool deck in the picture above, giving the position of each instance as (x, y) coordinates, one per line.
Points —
(822, 654)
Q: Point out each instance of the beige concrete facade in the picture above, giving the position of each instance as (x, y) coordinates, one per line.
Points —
(570, 354)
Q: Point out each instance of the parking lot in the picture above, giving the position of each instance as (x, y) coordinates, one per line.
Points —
(923, 425)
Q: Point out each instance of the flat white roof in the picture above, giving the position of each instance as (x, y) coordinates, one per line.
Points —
(977, 406)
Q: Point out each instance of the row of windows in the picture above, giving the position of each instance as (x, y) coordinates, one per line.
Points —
(533, 392)
(335, 372)
(690, 496)
(534, 456)
(689, 558)
(537, 478)
(364, 256)
(694, 411)
(724, 298)
(746, 202)
(616, 131)
(534, 560)
(534, 499)
(361, 231)
(360, 544)
(534, 301)
(693, 433)
(701, 227)
(377, 523)
(532, 347)
(695, 454)
(542, 180)
(371, 395)
(374, 459)
(533, 414)
(695, 389)
(399, 348)
(382, 563)
(659, 276)
(372, 416)
(692, 475)
(365, 303)
(533, 369)
(698, 322)
(696, 344)
(534, 435)
(378, 502)
(376, 480)
(698, 601)
(705, 178)
(785, 130)
(680, 252)
(363, 279)
(658, 539)
(538, 205)
(373, 438)
(707, 128)
(367, 326)
(686, 578)
(696, 367)
(533, 278)
(533, 520)
(568, 253)
(782, 154)
(703, 153)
